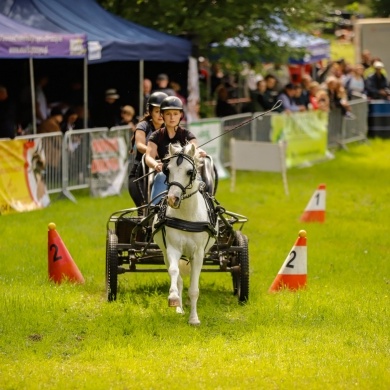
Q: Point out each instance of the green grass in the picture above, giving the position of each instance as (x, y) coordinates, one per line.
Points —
(333, 335)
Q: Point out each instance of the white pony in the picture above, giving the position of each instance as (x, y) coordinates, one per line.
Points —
(187, 229)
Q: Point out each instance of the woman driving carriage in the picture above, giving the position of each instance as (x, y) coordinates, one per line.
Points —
(171, 110)
(150, 122)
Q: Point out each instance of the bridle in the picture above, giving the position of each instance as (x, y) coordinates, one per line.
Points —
(180, 157)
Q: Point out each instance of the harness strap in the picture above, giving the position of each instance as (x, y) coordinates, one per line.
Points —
(187, 226)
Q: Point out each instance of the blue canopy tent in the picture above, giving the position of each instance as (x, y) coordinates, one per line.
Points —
(22, 42)
(110, 38)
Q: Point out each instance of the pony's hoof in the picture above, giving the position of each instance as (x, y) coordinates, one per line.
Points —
(179, 310)
(194, 321)
(173, 302)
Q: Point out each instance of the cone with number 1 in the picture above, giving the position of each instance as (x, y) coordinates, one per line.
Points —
(293, 273)
(61, 265)
(315, 209)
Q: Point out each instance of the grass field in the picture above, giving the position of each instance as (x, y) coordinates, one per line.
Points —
(332, 335)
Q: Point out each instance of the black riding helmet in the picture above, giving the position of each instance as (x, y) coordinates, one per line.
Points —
(155, 100)
(171, 103)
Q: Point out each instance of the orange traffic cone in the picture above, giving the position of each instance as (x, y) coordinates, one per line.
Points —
(61, 264)
(315, 209)
(293, 273)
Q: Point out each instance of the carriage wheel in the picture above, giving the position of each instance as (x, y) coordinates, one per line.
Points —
(111, 265)
(241, 278)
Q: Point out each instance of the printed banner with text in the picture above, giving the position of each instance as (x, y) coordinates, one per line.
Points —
(205, 130)
(109, 163)
(306, 134)
(22, 185)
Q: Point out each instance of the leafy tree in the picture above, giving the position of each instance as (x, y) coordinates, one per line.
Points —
(213, 21)
(381, 8)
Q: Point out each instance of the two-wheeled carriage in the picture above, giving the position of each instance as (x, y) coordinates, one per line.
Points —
(131, 246)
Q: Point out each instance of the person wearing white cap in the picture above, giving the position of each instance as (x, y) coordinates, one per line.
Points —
(377, 84)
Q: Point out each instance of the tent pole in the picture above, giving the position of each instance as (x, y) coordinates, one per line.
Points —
(86, 110)
(141, 89)
(33, 103)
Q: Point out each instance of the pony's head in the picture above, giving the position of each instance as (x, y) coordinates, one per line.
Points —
(180, 167)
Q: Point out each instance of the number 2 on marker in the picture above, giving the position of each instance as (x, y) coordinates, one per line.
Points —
(55, 257)
(293, 255)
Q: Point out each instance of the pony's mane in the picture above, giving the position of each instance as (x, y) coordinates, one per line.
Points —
(177, 149)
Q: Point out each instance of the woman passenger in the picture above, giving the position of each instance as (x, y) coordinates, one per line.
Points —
(151, 121)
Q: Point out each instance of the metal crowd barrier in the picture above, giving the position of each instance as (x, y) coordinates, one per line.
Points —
(68, 157)
(78, 156)
(244, 133)
(52, 144)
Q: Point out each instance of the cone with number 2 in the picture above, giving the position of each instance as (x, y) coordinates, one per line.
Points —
(61, 265)
(293, 273)
(315, 209)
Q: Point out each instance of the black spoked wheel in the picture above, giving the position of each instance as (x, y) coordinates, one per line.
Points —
(241, 277)
(111, 265)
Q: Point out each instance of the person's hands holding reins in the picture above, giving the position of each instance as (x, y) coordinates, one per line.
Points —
(158, 166)
(202, 153)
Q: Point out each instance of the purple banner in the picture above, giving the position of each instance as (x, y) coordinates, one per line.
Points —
(45, 45)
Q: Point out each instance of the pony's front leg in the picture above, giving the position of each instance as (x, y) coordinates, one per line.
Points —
(174, 298)
(193, 290)
(179, 309)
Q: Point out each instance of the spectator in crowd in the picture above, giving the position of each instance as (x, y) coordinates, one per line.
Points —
(216, 77)
(251, 79)
(230, 83)
(256, 99)
(41, 103)
(271, 93)
(323, 100)
(147, 90)
(355, 83)
(75, 95)
(338, 98)
(287, 97)
(107, 114)
(366, 59)
(305, 83)
(314, 87)
(81, 112)
(258, 103)
(377, 85)
(53, 123)
(281, 74)
(70, 120)
(7, 115)
(204, 70)
(162, 82)
(371, 69)
(223, 107)
(300, 98)
(318, 98)
(127, 117)
(53, 146)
